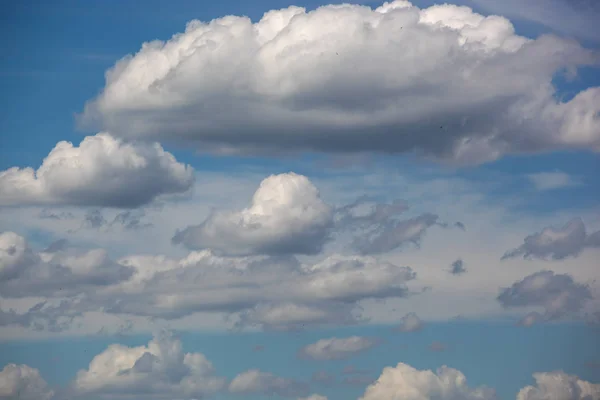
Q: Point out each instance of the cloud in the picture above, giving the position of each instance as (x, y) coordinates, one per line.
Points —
(286, 216)
(336, 348)
(576, 18)
(313, 397)
(323, 378)
(103, 171)
(557, 243)
(160, 370)
(269, 292)
(558, 294)
(328, 80)
(559, 386)
(552, 180)
(265, 383)
(458, 267)
(59, 273)
(437, 347)
(24, 383)
(410, 323)
(404, 382)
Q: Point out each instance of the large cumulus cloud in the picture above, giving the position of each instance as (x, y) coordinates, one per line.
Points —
(102, 171)
(160, 370)
(442, 81)
(559, 386)
(24, 383)
(286, 216)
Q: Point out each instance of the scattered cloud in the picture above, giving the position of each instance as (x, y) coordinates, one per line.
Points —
(468, 91)
(410, 323)
(557, 294)
(103, 171)
(286, 216)
(337, 348)
(557, 243)
(407, 383)
(265, 383)
(24, 383)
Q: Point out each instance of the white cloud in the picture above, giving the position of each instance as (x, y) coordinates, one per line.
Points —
(160, 370)
(24, 383)
(265, 383)
(443, 81)
(559, 386)
(337, 348)
(557, 243)
(410, 323)
(102, 171)
(286, 216)
(404, 382)
(552, 180)
(313, 397)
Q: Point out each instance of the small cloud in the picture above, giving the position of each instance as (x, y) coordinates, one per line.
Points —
(337, 348)
(543, 181)
(437, 347)
(458, 267)
(410, 323)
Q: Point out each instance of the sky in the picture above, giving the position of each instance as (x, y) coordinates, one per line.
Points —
(248, 200)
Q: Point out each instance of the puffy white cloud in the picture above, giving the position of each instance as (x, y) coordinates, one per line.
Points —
(559, 386)
(558, 294)
(557, 243)
(24, 383)
(410, 323)
(286, 216)
(258, 382)
(160, 370)
(443, 81)
(102, 171)
(337, 348)
(404, 382)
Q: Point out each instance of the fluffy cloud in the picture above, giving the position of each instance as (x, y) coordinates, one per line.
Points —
(265, 383)
(336, 348)
(102, 171)
(559, 386)
(404, 382)
(557, 243)
(410, 323)
(24, 383)
(160, 370)
(441, 81)
(557, 294)
(286, 216)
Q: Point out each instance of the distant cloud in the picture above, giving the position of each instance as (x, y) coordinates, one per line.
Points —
(552, 180)
(437, 347)
(337, 348)
(103, 171)
(557, 243)
(410, 323)
(286, 216)
(557, 294)
(267, 384)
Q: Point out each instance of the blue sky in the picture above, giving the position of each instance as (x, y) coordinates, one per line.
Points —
(303, 185)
